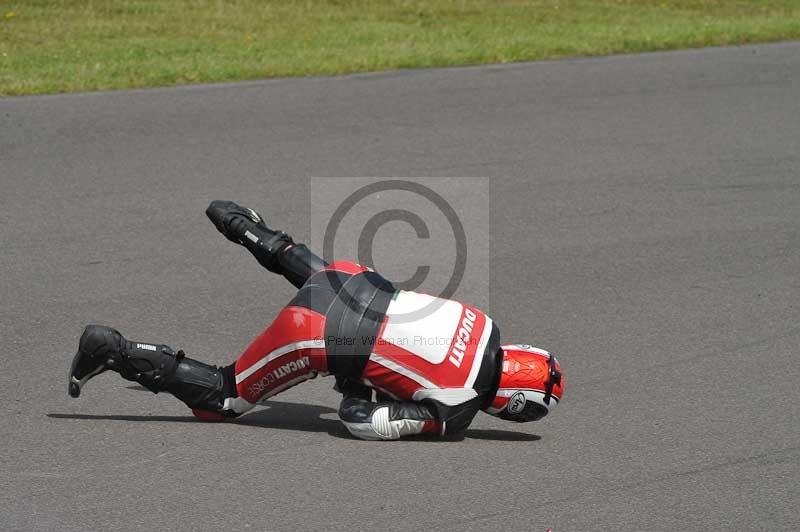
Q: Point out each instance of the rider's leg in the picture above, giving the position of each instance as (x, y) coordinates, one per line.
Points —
(288, 352)
(208, 390)
(275, 250)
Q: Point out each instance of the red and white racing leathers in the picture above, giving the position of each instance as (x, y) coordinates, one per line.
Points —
(433, 362)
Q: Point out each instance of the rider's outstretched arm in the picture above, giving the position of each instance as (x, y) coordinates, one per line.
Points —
(386, 419)
(275, 250)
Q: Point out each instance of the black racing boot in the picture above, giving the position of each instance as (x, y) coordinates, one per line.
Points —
(246, 227)
(154, 366)
(275, 250)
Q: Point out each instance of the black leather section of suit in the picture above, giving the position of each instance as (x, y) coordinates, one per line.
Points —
(354, 307)
(408, 410)
(298, 264)
(319, 292)
(458, 418)
(353, 321)
(488, 378)
(495, 384)
(352, 389)
(358, 410)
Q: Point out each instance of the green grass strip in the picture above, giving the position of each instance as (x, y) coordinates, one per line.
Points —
(80, 45)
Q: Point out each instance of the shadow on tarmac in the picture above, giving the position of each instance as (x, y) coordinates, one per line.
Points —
(297, 416)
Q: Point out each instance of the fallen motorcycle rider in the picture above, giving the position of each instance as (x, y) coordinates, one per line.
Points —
(347, 321)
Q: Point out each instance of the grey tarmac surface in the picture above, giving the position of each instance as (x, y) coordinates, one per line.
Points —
(645, 228)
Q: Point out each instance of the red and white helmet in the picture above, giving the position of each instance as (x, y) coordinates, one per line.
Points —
(531, 384)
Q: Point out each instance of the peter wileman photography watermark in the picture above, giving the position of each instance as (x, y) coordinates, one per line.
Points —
(427, 235)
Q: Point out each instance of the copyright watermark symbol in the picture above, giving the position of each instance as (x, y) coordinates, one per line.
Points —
(428, 235)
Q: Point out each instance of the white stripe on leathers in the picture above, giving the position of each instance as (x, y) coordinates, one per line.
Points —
(279, 352)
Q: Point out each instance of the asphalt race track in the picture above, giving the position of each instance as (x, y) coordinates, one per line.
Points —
(645, 227)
